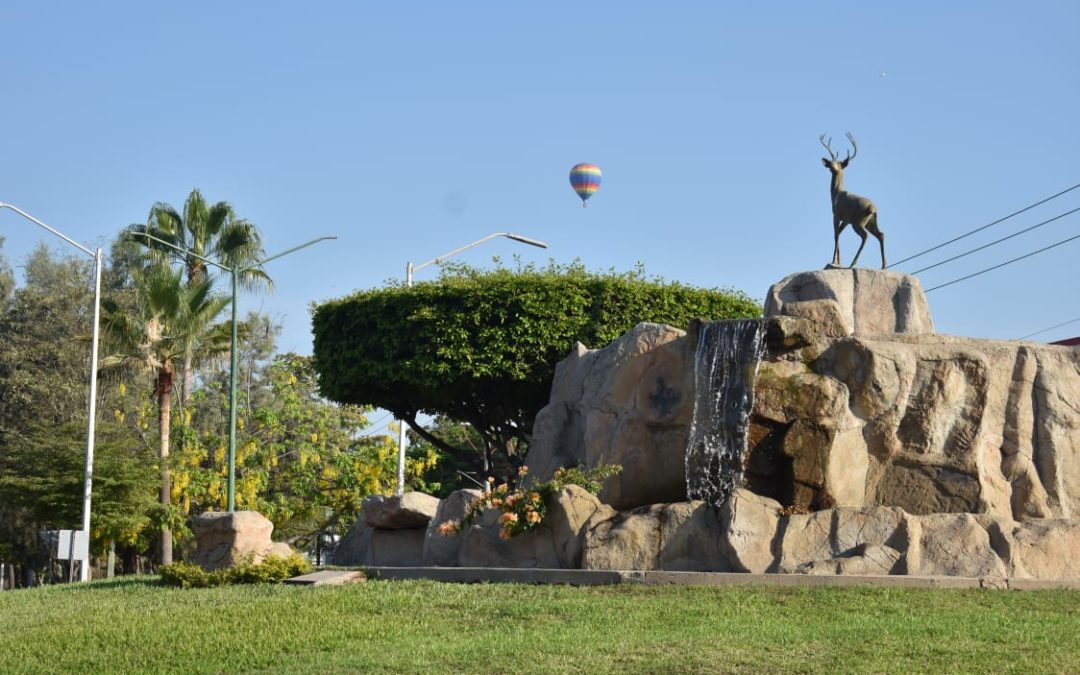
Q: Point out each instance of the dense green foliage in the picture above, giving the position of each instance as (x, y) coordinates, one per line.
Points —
(44, 372)
(303, 462)
(272, 570)
(138, 626)
(481, 347)
(7, 280)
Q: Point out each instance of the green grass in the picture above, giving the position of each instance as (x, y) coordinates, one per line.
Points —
(133, 625)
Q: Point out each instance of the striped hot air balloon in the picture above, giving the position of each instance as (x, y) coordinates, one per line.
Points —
(585, 179)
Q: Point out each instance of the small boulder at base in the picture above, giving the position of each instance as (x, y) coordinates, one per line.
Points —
(410, 510)
(225, 539)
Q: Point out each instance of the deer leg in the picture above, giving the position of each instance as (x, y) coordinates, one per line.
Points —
(876, 231)
(838, 227)
(860, 229)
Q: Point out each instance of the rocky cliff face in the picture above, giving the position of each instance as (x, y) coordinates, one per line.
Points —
(858, 405)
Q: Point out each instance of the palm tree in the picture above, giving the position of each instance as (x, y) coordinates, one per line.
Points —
(208, 231)
(172, 321)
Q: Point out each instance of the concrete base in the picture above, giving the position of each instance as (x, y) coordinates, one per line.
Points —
(662, 578)
(327, 578)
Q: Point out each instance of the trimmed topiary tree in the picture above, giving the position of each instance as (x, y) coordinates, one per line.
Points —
(481, 346)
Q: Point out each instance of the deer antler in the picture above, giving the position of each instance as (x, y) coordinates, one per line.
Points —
(828, 146)
(854, 145)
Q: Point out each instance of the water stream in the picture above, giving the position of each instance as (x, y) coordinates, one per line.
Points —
(725, 367)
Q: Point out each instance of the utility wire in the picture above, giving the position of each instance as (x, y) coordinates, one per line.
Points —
(980, 229)
(1063, 323)
(984, 246)
(1007, 262)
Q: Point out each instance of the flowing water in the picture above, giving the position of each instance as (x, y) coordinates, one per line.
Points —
(725, 367)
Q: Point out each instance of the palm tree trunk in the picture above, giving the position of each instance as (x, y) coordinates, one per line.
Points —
(164, 397)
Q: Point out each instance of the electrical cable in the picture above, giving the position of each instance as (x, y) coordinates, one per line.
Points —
(1007, 262)
(980, 229)
(985, 246)
(1063, 323)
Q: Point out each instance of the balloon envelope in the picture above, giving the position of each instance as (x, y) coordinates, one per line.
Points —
(585, 179)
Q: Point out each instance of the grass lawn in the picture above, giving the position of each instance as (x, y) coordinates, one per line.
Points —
(134, 626)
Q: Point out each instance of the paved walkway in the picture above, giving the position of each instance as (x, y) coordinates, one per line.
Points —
(661, 578)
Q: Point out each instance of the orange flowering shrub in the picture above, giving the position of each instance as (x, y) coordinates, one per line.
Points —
(524, 507)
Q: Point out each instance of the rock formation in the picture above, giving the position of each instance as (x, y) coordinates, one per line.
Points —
(224, 539)
(391, 531)
(875, 447)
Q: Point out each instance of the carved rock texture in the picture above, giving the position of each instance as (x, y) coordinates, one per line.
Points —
(630, 404)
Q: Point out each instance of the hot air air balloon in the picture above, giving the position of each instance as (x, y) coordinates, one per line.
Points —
(585, 179)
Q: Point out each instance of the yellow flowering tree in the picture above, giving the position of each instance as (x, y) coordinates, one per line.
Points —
(301, 461)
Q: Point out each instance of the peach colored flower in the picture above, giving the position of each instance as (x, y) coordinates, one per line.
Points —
(505, 533)
(523, 470)
(449, 527)
(534, 497)
(507, 518)
(532, 517)
(496, 502)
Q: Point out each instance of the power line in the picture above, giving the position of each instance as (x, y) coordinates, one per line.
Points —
(1063, 323)
(984, 246)
(1007, 262)
(980, 229)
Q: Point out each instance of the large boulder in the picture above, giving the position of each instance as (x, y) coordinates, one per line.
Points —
(391, 531)
(366, 545)
(684, 536)
(441, 550)
(629, 404)
(408, 511)
(224, 539)
(954, 544)
(1043, 549)
(556, 542)
(844, 302)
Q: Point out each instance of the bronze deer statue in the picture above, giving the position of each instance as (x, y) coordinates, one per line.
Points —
(849, 208)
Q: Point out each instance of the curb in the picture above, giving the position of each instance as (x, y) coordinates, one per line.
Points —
(506, 575)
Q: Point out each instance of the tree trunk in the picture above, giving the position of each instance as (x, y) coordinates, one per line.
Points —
(164, 396)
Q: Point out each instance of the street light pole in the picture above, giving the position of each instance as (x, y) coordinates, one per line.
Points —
(409, 269)
(235, 272)
(88, 469)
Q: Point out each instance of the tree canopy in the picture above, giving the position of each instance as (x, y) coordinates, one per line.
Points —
(481, 347)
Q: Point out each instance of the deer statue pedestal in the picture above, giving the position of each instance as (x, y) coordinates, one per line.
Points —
(856, 301)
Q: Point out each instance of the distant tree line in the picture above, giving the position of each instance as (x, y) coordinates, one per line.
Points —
(161, 435)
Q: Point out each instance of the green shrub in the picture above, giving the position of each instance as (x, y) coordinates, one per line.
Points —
(481, 347)
(272, 570)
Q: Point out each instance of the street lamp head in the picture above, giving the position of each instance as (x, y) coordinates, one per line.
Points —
(525, 240)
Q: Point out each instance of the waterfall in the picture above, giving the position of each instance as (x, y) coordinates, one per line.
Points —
(725, 367)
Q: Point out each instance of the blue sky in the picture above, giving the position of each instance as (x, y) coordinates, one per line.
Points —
(410, 128)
